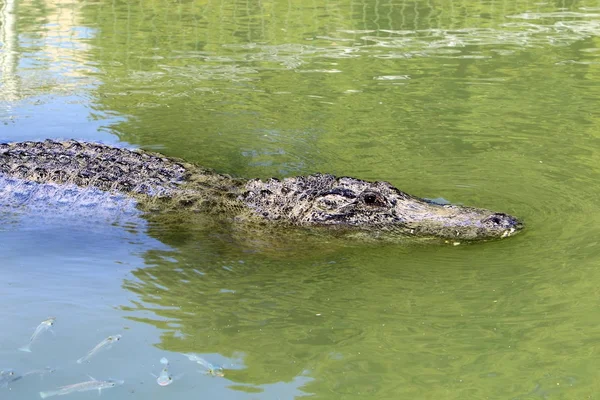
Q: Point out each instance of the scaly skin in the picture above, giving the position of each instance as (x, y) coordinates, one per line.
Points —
(159, 183)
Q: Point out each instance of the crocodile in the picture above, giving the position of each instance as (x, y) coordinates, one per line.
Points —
(160, 183)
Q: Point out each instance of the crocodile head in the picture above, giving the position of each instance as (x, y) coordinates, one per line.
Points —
(324, 200)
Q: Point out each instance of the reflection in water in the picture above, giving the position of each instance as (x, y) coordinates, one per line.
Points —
(362, 320)
(59, 49)
(8, 52)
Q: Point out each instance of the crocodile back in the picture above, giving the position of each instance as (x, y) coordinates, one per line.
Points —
(104, 167)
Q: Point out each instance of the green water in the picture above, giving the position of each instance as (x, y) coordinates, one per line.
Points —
(487, 103)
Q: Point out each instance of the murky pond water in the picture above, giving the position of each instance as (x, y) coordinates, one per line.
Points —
(486, 103)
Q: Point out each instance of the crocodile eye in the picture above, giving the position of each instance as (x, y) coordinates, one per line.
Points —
(370, 198)
(373, 199)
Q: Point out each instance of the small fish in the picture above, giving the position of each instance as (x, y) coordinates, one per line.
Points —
(210, 368)
(7, 376)
(165, 377)
(42, 327)
(105, 344)
(40, 372)
(92, 384)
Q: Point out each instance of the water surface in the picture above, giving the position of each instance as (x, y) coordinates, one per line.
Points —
(485, 103)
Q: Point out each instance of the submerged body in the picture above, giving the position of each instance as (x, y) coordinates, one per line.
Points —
(321, 200)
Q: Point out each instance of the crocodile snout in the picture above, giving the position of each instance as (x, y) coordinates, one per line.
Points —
(505, 222)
